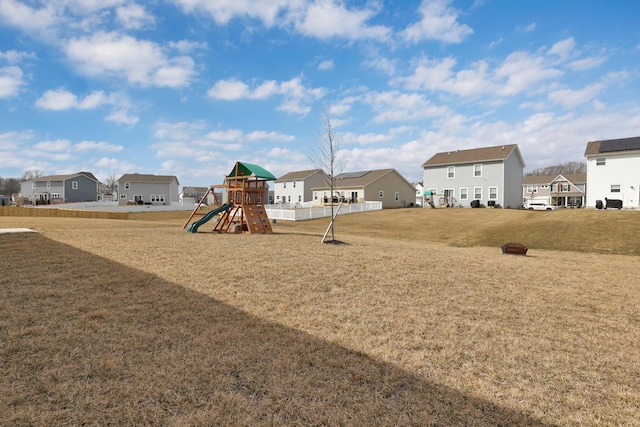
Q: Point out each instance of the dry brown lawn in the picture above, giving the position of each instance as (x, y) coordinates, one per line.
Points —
(418, 320)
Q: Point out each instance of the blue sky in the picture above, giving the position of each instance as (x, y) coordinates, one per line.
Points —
(188, 87)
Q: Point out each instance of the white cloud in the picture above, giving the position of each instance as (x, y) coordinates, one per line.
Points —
(134, 17)
(527, 28)
(53, 146)
(439, 22)
(14, 57)
(570, 98)
(29, 19)
(328, 19)
(563, 49)
(396, 106)
(521, 72)
(97, 146)
(326, 65)
(585, 63)
(296, 96)
(11, 80)
(139, 62)
(223, 11)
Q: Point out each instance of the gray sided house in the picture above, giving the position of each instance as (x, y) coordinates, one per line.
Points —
(296, 187)
(383, 185)
(135, 188)
(568, 190)
(491, 175)
(77, 187)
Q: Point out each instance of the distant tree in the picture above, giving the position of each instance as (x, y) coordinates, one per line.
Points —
(326, 159)
(564, 168)
(111, 183)
(9, 186)
(31, 174)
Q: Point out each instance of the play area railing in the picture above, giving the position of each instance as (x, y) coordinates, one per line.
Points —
(303, 214)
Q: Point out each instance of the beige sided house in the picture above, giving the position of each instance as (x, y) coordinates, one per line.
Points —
(143, 189)
(384, 185)
(569, 190)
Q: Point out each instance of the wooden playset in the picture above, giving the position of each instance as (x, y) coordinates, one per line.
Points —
(246, 191)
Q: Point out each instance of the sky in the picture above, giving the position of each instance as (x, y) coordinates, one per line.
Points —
(189, 87)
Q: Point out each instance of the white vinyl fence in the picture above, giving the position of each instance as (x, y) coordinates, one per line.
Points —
(303, 214)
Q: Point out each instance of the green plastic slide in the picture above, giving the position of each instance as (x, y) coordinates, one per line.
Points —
(193, 228)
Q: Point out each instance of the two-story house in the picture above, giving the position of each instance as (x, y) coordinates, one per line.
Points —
(296, 187)
(613, 171)
(492, 176)
(148, 189)
(383, 185)
(77, 187)
(563, 189)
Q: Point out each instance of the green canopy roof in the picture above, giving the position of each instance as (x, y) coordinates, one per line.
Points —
(247, 170)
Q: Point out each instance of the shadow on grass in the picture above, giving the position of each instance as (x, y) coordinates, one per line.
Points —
(84, 340)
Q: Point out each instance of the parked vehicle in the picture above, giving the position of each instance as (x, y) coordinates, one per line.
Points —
(542, 203)
(540, 206)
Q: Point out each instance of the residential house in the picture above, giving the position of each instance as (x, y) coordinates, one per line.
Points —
(296, 187)
(384, 185)
(563, 189)
(490, 175)
(147, 189)
(613, 171)
(419, 193)
(77, 187)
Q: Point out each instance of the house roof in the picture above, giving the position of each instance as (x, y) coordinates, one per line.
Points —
(298, 175)
(200, 189)
(362, 178)
(65, 177)
(248, 170)
(139, 177)
(612, 146)
(474, 155)
(576, 178)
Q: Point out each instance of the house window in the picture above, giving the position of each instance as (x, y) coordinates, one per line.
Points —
(127, 186)
(532, 189)
(289, 199)
(601, 161)
(464, 193)
(397, 196)
(123, 196)
(55, 195)
(74, 185)
(157, 198)
(615, 188)
(381, 194)
(565, 187)
(477, 193)
(48, 184)
(493, 193)
(299, 198)
(451, 172)
(477, 170)
(33, 185)
(294, 184)
(315, 195)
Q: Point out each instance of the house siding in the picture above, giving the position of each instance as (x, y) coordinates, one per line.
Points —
(513, 179)
(284, 190)
(620, 168)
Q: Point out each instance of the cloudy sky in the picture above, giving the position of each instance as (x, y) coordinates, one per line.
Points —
(188, 87)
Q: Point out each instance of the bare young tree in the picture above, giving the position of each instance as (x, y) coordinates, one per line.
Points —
(111, 183)
(326, 159)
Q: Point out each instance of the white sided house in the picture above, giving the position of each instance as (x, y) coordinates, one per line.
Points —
(296, 187)
(613, 171)
(142, 189)
(382, 185)
(563, 190)
(492, 176)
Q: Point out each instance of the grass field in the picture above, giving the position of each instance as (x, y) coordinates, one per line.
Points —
(417, 320)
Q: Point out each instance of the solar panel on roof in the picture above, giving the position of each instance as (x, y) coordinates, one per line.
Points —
(619, 145)
(350, 175)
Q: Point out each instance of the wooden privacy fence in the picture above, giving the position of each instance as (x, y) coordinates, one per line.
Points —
(60, 213)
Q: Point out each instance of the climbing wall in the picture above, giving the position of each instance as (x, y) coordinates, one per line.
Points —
(257, 220)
